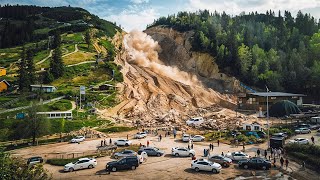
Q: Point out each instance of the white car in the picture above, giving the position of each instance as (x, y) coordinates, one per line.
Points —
(186, 137)
(236, 156)
(299, 141)
(195, 121)
(140, 135)
(205, 165)
(77, 139)
(182, 151)
(303, 131)
(197, 138)
(123, 142)
(81, 163)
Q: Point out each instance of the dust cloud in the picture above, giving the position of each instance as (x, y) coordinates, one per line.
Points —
(143, 51)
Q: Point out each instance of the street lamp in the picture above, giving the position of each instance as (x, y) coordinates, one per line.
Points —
(268, 117)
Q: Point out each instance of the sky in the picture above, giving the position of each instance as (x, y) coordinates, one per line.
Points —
(137, 14)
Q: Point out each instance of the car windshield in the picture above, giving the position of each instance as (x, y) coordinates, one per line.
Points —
(156, 149)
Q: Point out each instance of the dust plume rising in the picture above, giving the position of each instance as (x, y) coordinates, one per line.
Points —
(143, 51)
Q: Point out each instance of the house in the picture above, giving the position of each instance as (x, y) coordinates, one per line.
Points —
(44, 88)
(258, 101)
(57, 114)
(252, 127)
(4, 85)
(3, 71)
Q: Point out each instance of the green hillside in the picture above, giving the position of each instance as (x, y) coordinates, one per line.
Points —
(273, 49)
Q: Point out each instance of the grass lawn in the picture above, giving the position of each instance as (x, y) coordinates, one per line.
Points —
(84, 47)
(75, 38)
(45, 64)
(62, 105)
(78, 57)
(69, 47)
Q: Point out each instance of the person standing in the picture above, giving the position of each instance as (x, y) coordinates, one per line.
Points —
(192, 146)
(222, 154)
(258, 152)
(281, 162)
(110, 141)
(279, 152)
(127, 136)
(148, 143)
(271, 151)
(274, 161)
(210, 146)
(188, 146)
(287, 163)
(101, 143)
(160, 137)
(265, 153)
(218, 142)
(104, 142)
(312, 139)
(243, 147)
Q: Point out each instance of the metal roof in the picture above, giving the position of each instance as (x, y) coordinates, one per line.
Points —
(43, 86)
(275, 94)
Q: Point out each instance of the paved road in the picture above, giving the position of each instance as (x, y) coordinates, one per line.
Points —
(26, 107)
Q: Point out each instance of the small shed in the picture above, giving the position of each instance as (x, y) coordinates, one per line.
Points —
(3, 71)
(252, 127)
(43, 88)
(4, 85)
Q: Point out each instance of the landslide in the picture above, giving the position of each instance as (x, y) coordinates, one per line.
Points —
(164, 82)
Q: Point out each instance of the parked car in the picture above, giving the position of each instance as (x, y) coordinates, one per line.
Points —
(77, 139)
(255, 163)
(262, 134)
(124, 153)
(303, 131)
(140, 135)
(314, 127)
(151, 151)
(182, 151)
(205, 165)
(222, 160)
(81, 163)
(186, 137)
(195, 121)
(318, 130)
(123, 142)
(197, 138)
(280, 135)
(129, 162)
(299, 141)
(236, 156)
(34, 160)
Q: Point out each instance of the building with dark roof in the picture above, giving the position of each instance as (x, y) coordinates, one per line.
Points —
(258, 100)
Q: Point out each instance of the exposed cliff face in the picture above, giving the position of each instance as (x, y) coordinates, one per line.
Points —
(165, 83)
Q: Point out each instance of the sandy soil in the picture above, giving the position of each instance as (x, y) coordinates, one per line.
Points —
(165, 167)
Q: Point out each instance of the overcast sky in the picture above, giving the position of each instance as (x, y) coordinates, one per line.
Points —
(136, 14)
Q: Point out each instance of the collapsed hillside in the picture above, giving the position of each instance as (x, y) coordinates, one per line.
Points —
(165, 83)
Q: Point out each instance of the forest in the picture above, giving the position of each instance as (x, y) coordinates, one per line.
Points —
(279, 51)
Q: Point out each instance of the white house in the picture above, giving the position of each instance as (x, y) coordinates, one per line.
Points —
(252, 127)
(55, 115)
(44, 88)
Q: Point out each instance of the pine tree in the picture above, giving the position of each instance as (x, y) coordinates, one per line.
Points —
(56, 40)
(30, 67)
(23, 74)
(56, 64)
(88, 38)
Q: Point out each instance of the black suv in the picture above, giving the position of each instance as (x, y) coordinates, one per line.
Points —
(255, 163)
(129, 162)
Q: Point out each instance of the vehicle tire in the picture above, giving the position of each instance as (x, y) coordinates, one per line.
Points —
(116, 157)
(197, 169)
(90, 166)
(264, 167)
(158, 154)
(246, 166)
(71, 169)
(214, 171)
(133, 167)
(176, 154)
(190, 154)
(113, 169)
(225, 165)
(126, 144)
(115, 144)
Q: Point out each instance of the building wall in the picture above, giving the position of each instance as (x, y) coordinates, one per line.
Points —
(255, 102)
(3, 72)
(3, 86)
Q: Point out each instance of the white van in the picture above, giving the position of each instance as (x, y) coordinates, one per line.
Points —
(195, 121)
(315, 120)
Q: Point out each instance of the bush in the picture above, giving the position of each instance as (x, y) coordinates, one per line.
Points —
(242, 138)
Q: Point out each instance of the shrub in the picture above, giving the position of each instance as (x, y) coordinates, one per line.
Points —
(116, 129)
(242, 138)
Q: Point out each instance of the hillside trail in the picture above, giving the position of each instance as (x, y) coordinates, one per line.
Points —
(75, 50)
(155, 93)
(46, 58)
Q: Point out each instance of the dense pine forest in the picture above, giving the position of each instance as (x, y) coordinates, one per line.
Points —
(22, 24)
(273, 49)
